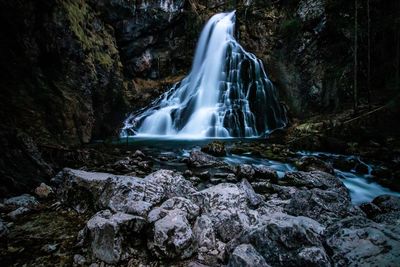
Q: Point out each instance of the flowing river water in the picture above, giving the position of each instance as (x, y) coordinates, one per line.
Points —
(169, 154)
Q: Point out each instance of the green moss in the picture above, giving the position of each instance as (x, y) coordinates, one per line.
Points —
(80, 16)
(103, 59)
(77, 15)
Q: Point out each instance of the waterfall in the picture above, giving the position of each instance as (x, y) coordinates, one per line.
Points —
(226, 94)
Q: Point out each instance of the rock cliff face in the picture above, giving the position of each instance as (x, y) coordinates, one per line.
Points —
(308, 49)
(61, 73)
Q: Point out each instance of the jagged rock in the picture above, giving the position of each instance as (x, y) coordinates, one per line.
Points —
(173, 184)
(370, 209)
(79, 260)
(246, 256)
(226, 206)
(262, 187)
(358, 241)
(195, 180)
(326, 199)
(285, 240)
(15, 214)
(204, 175)
(172, 234)
(383, 209)
(246, 171)
(204, 232)
(200, 159)
(322, 205)
(24, 200)
(183, 204)
(387, 203)
(109, 234)
(265, 173)
(188, 173)
(215, 148)
(130, 195)
(93, 191)
(139, 153)
(315, 179)
(3, 229)
(210, 250)
(172, 237)
(124, 165)
(43, 191)
(145, 166)
(309, 163)
(253, 198)
(391, 218)
(141, 208)
(179, 204)
(252, 172)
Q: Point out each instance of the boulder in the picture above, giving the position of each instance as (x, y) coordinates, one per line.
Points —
(95, 191)
(139, 154)
(200, 159)
(172, 237)
(314, 179)
(309, 163)
(43, 191)
(215, 148)
(391, 218)
(253, 198)
(172, 183)
(387, 203)
(109, 234)
(383, 209)
(188, 207)
(370, 209)
(262, 187)
(358, 241)
(125, 165)
(246, 171)
(24, 200)
(204, 232)
(130, 195)
(15, 214)
(325, 206)
(265, 173)
(246, 256)
(79, 260)
(285, 240)
(80, 190)
(211, 251)
(226, 205)
(318, 195)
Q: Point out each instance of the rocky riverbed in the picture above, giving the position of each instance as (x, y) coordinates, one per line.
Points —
(208, 211)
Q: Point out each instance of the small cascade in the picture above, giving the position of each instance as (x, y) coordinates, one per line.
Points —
(226, 94)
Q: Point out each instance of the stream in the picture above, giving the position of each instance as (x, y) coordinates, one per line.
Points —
(170, 154)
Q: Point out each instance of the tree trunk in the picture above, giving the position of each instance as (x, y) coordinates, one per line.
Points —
(397, 67)
(369, 55)
(355, 89)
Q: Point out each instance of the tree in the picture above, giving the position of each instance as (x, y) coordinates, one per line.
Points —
(369, 55)
(355, 89)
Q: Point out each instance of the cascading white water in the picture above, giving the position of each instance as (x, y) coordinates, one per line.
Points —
(226, 94)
